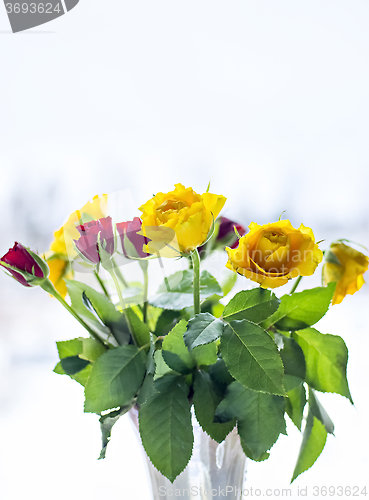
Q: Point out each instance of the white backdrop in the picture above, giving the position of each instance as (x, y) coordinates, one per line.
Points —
(268, 100)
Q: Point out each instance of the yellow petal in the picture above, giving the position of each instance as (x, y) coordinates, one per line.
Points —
(186, 212)
(213, 203)
(274, 253)
(348, 275)
(63, 238)
(59, 270)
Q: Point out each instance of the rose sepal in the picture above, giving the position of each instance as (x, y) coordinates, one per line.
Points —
(30, 278)
(130, 251)
(48, 286)
(330, 257)
(55, 256)
(90, 265)
(105, 257)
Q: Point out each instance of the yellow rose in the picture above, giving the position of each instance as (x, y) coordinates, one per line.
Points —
(59, 270)
(63, 238)
(179, 221)
(274, 253)
(347, 271)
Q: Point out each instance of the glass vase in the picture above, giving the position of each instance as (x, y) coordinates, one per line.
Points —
(215, 470)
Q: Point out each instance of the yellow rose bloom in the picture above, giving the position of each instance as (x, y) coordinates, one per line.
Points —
(347, 272)
(274, 253)
(179, 221)
(59, 270)
(63, 238)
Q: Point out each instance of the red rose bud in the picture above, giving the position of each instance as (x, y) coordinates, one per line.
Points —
(132, 242)
(227, 235)
(97, 240)
(25, 266)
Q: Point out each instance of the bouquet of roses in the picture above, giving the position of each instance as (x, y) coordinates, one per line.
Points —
(242, 362)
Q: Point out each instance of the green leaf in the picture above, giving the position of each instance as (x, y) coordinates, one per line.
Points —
(140, 329)
(293, 361)
(228, 284)
(92, 349)
(68, 348)
(73, 364)
(175, 352)
(293, 358)
(115, 378)
(252, 357)
(205, 355)
(98, 312)
(206, 398)
(254, 305)
(71, 348)
(166, 321)
(313, 443)
(290, 382)
(217, 309)
(295, 404)
(250, 454)
(203, 329)
(153, 314)
(150, 361)
(176, 292)
(220, 374)
(303, 309)
(208, 286)
(80, 377)
(260, 416)
(326, 360)
(316, 408)
(133, 295)
(147, 388)
(161, 368)
(106, 425)
(166, 428)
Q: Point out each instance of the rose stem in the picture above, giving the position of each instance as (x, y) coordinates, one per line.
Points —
(162, 266)
(296, 284)
(102, 284)
(196, 281)
(49, 287)
(144, 264)
(119, 274)
(122, 303)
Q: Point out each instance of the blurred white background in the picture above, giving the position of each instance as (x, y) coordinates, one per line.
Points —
(268, 100)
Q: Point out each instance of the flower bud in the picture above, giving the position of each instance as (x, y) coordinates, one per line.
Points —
(346, 266)
(132, 241)
(97, 240)
(25, 266)
(224, 235)
(227, 235)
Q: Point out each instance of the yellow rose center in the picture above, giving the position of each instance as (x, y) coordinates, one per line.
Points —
(168, 208)
(270, 250)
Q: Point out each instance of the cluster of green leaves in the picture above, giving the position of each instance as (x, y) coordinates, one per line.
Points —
(245, 365)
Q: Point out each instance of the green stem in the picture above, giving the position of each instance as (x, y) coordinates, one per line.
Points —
(144, 266)
(166, 281)
(122, 302)
(49, 287)
(196, 281)
(296, 284)
(101, 283)
(119, 291)
(119, 274)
